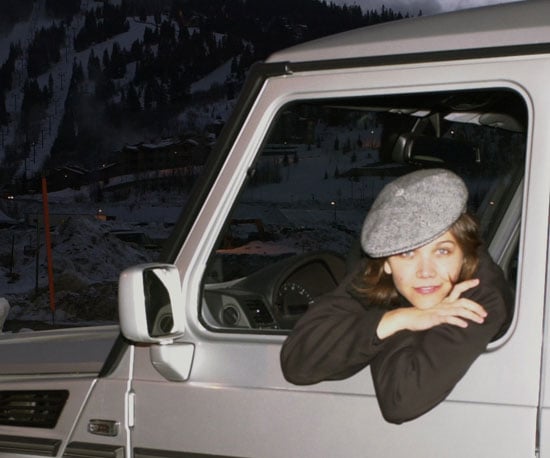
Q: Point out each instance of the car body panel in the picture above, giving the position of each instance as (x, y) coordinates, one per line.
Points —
(513, 24)
(233, 399)
(232, 370)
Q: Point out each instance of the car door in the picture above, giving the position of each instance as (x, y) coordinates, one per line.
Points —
(61, 394)
(234, 401)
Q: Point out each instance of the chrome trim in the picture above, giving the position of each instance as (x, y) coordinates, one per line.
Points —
(103, 427)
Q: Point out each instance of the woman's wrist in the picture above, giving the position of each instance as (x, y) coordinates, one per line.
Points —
(391, 322)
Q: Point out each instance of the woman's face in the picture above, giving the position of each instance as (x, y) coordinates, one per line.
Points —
(426, 275)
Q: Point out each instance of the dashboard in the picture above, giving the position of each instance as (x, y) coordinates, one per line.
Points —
(274, 297)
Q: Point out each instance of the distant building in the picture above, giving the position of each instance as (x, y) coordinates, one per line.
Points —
(165, 158)
(169, 153)
(68, 176)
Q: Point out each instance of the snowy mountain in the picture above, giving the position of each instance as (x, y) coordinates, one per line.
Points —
(25, 154)
(157, 77)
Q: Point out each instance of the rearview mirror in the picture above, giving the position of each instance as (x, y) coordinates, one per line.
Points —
(423, 149)
(150, 303)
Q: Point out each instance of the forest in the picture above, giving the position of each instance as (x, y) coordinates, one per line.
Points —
(144, 87)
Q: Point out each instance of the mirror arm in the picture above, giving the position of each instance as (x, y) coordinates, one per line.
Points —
(173, 361)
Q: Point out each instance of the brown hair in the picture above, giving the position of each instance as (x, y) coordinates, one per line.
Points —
(377, 287)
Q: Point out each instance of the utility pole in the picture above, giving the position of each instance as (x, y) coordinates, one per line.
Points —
(37, 256)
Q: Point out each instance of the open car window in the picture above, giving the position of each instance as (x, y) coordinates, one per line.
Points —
(293, 232)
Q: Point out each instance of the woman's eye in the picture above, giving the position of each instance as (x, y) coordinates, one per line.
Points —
(407, 254)
(443, 251)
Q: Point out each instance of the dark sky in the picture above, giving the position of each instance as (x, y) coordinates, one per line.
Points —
(427, 6)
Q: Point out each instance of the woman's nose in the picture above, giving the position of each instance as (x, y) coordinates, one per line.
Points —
(425, 268)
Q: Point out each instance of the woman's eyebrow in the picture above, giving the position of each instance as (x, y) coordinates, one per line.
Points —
(441, 242)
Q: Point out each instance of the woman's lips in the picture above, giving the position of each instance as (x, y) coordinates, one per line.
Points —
(427, 289)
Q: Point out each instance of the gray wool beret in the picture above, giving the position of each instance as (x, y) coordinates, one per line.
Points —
(413, 210)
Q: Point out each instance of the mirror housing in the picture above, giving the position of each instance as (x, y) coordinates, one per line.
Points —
(150, 303)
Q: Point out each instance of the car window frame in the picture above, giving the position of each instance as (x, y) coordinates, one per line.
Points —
(512, 214)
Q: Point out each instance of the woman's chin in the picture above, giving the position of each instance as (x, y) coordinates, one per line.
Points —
(426, 302)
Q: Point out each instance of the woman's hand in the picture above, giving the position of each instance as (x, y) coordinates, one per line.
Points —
(453, 310)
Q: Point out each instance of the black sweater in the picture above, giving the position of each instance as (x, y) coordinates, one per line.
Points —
(412, 371)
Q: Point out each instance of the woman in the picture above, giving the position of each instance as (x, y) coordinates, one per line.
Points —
(425, 305)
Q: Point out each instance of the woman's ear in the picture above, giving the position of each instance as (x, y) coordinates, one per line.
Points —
(387, 267)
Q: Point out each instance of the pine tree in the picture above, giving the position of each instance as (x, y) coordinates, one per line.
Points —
(78, 72)
(94, 66)
(148, 98)
(117, 65)
(50, 86)
(106, 63)
(65, 141)
(4, 118)
(132, 100)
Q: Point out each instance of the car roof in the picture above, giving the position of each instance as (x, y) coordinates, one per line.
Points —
(511, 24)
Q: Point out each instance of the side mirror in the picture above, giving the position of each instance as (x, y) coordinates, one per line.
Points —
(150, 303)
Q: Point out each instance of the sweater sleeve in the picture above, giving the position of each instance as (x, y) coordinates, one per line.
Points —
(415, 371)
(334, 339)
